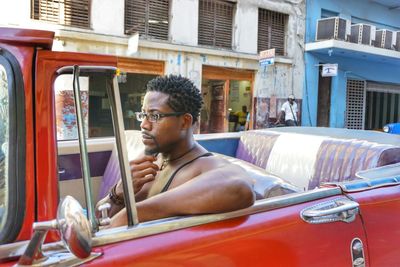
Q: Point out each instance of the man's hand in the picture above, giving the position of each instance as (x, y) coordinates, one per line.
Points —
(143, 170)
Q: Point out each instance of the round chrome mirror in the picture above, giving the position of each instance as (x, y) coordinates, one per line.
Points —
(74, 227)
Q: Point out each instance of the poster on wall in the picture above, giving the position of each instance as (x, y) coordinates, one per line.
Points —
(67, 125)
(261, 108)
(234, 92)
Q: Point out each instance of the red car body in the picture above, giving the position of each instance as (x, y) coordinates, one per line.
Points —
(271, 233)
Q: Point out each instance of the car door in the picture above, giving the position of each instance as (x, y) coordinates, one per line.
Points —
(271, 233)
(47, 64)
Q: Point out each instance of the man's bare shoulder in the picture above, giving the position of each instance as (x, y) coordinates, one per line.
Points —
(217, 162)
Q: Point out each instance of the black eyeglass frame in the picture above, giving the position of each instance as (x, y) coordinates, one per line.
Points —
(156, 116)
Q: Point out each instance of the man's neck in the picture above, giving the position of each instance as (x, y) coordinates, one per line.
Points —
(179, 150)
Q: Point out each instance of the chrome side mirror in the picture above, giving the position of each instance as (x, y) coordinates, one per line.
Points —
(74, 229)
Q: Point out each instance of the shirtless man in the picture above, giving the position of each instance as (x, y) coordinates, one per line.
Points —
(176, 175)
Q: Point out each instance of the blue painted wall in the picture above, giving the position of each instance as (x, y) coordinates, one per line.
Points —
(372, 68)
(359, 9)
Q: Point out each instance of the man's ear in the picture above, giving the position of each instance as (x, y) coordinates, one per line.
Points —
(187, 121)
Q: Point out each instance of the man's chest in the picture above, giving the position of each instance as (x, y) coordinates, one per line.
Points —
(171, 177)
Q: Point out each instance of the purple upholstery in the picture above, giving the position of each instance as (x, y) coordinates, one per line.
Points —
(336, 159)
(265, 185)
(255, 147)
(339, 160)
(111, 175)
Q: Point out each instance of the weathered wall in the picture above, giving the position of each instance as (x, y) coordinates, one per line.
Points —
(181, 53)
(107, 17)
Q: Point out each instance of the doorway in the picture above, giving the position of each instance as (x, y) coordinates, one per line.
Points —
(324, 100)
(227, 95)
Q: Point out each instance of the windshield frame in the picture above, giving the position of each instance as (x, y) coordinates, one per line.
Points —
(16, 197)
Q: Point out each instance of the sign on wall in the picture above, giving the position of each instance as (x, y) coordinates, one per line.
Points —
(329, 70)
(267, 57)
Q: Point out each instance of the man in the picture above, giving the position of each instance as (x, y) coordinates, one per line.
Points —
(242, 116)
(177, 176)
(290, 112)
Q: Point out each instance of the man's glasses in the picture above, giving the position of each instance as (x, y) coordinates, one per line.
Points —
(154, 117)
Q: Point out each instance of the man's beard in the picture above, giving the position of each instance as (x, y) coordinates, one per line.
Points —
(152, 151)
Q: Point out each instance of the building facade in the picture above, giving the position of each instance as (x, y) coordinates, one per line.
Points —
(215, 43)
(365, 93)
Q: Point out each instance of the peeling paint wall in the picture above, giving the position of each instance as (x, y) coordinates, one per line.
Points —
(181, 53)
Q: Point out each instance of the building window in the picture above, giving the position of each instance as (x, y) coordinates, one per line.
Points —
(65, 12)
(148, 17)
(271, 31)
(215, 23)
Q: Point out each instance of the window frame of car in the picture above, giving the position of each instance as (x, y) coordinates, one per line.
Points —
(15, 178)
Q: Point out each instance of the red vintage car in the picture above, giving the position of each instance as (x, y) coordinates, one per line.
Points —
(325, 197)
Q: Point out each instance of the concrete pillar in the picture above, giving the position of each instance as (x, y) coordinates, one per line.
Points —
(184, 21)
(338, 100)
(310, 92)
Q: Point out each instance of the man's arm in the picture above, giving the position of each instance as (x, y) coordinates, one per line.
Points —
(280, 117)
(143, 172)
(224, 189)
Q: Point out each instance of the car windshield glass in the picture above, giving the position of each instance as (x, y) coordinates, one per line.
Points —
(4, 120)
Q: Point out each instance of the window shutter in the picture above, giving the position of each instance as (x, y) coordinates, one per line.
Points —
(148, 17)
(76, 13)
(271, 31)
(215, 23)
(46, 10)
(158, 19)
(65, 12)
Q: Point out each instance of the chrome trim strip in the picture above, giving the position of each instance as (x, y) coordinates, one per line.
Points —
(122, 233)
(87, 182)
(14, 250)
(122, 150)
(366, 184)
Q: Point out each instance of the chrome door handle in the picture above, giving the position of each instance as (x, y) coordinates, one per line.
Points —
(340, 209)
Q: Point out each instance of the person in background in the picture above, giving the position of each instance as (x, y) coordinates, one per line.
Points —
(289, 112)
(176, 175)
(247, 125)
(242, 117)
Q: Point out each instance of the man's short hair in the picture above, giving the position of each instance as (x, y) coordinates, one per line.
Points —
(184, 96)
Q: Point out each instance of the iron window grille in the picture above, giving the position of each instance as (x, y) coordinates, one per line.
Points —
(355, 99)
(73, 13)
(272, 31)
(148, 17)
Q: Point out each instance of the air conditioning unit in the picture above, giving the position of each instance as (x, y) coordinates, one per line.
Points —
(397, 43)
(362, 34)
(332, 28)
(384, 38)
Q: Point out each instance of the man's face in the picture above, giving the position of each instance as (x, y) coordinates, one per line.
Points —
(160, 136)
(291, 100)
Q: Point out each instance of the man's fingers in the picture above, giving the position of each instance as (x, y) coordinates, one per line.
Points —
(142, 173)
(145, 158)
(143, 166)
(140, 182)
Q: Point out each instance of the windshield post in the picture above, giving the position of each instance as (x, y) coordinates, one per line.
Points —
(118, 125)
(83, 149)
